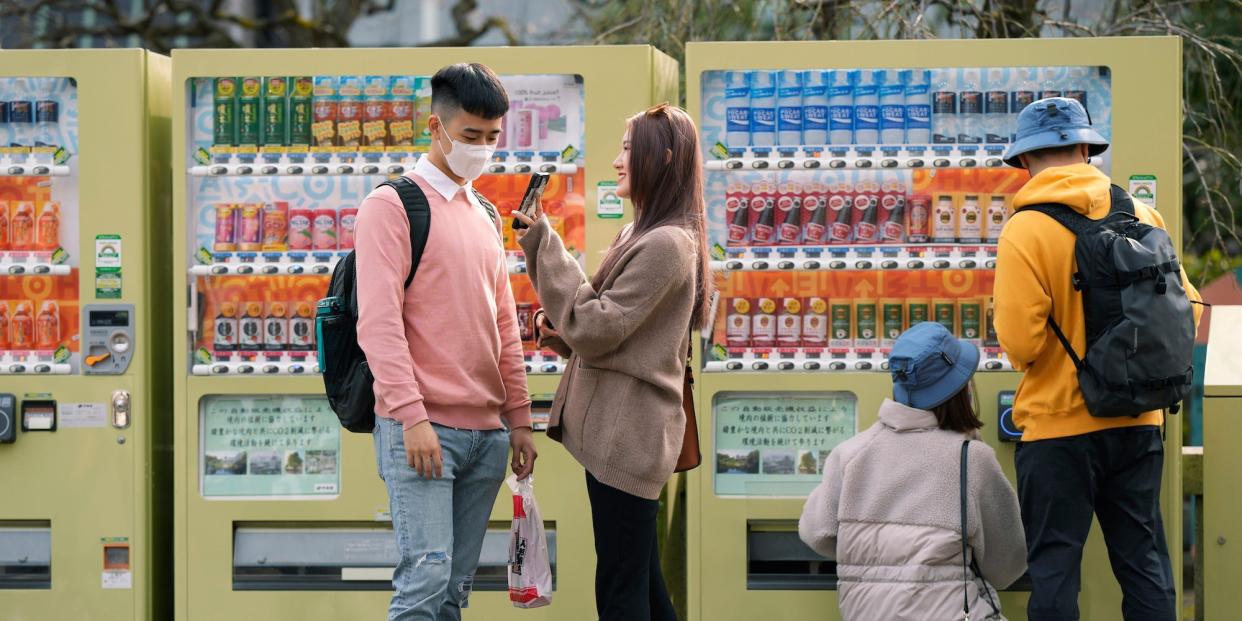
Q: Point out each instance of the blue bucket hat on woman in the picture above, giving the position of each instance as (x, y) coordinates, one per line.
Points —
(1053, 122)
(929, 365)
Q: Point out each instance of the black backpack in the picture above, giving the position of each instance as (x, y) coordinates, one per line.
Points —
(1140, 325)
(347, 378)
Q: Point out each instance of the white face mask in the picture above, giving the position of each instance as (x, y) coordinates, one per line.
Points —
(467, 160)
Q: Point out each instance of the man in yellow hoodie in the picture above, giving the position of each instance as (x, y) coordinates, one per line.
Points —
(1071, 464)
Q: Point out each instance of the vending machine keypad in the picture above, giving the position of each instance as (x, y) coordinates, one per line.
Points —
(109, 342)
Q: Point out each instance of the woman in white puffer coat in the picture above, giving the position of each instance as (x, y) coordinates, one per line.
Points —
(889, 509)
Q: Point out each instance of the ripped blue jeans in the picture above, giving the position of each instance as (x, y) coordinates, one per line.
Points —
(439, 523)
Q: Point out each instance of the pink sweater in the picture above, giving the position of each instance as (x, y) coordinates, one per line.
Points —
(448, 348)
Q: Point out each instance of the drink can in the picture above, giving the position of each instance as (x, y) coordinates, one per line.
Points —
(275, 111)
(840, 204)
(301, 110)
(401, 112)
(738, 323)
(325, 112)
(866, 321)
(918, 310)
(841, 335)
(918, 227)
(349, 218)
(989, 327)
(301, 235)
(944, 220)
(970, 222)
(526, 321)
(970, 316)
(944, 312)
(249, 112)
(276, 226)
(815, 323)
(302, 328)
(763, 213)
(789, 214)
(349, 112)
(276, 327)
(737, 210)
(865, 218)
(375, 111)
(226, 228)
(323, 231)
(224, 112)
(893, 316)
(814, 214)
(250, 231)
(789, 323)
(763, 324)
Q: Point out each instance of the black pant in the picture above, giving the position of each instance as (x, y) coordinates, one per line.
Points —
(629, 585)
(1114, 474)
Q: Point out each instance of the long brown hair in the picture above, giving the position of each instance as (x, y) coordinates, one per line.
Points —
(666, 191)
(959, 413)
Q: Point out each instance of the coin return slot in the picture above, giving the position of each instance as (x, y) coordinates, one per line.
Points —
(348, 557)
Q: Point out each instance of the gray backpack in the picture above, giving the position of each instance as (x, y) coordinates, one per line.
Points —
(1140, 326)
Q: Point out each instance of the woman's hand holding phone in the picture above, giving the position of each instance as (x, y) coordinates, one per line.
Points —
(528, 220)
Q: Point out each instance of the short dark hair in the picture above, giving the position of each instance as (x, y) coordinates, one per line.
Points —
(1055, 151)
(471, 87)
(959, 413)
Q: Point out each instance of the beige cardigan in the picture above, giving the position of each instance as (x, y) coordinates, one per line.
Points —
(618, 407)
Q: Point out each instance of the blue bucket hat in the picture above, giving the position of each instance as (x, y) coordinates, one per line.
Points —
(929, 365)
(1053, 122)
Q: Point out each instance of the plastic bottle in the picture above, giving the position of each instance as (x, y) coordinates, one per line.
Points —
(21, 114)
(1076, 85)
(4, 326)
(893, 107)
(867, 107)
(47, 326)
(251, 324)
(5, 232)
(47, 116)
(970, 109)
(22, 327)
(47, 235)
(789, 109)
(841, 106)
(996, 106)
(814, 108)
(763, 108)
(944, 109)
(918, 106)
(302, 328)
(23, 226)
(226, 330)
(1026, 86)
(1051, 79)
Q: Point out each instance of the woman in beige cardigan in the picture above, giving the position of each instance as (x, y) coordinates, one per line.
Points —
(626, 332)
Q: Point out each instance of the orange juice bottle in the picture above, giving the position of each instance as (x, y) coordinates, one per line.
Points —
(48, 233)
(22, 332)
(23, 227)
(47, 326)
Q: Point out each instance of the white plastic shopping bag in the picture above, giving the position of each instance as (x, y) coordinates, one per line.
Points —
(530, 569)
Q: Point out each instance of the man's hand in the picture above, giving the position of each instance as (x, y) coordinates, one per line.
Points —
(523, 442)
(422, 450)
(528, 220)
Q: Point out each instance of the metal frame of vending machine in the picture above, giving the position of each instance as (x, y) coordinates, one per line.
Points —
(796, 362)
(85, 388)
(300, 525)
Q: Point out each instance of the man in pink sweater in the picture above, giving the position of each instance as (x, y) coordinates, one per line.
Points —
(450, 380)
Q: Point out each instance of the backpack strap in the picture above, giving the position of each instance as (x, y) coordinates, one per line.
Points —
(419, 214)
(1119, 200)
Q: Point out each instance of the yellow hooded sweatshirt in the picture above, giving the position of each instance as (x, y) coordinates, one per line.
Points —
(1034, 264)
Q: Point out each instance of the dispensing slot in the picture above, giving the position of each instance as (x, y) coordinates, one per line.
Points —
(777, 560)
(26, 555)
(347, 557)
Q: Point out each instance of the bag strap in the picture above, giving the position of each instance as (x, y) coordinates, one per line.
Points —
(965, 563)
(487, 205)
(419, 213)
(1069, 349)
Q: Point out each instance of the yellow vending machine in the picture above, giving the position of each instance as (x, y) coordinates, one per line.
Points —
(84, 383)
(279, 512)
(855, 189)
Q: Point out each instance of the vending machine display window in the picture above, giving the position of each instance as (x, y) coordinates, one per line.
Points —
(269, 446)
(39, 229)
(775, 444)
(280, 166)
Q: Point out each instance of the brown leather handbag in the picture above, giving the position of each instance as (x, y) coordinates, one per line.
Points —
(690, 456)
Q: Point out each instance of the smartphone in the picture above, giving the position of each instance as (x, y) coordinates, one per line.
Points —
(534, 191)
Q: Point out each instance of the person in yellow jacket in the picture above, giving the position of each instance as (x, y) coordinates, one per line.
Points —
(1070, 464)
